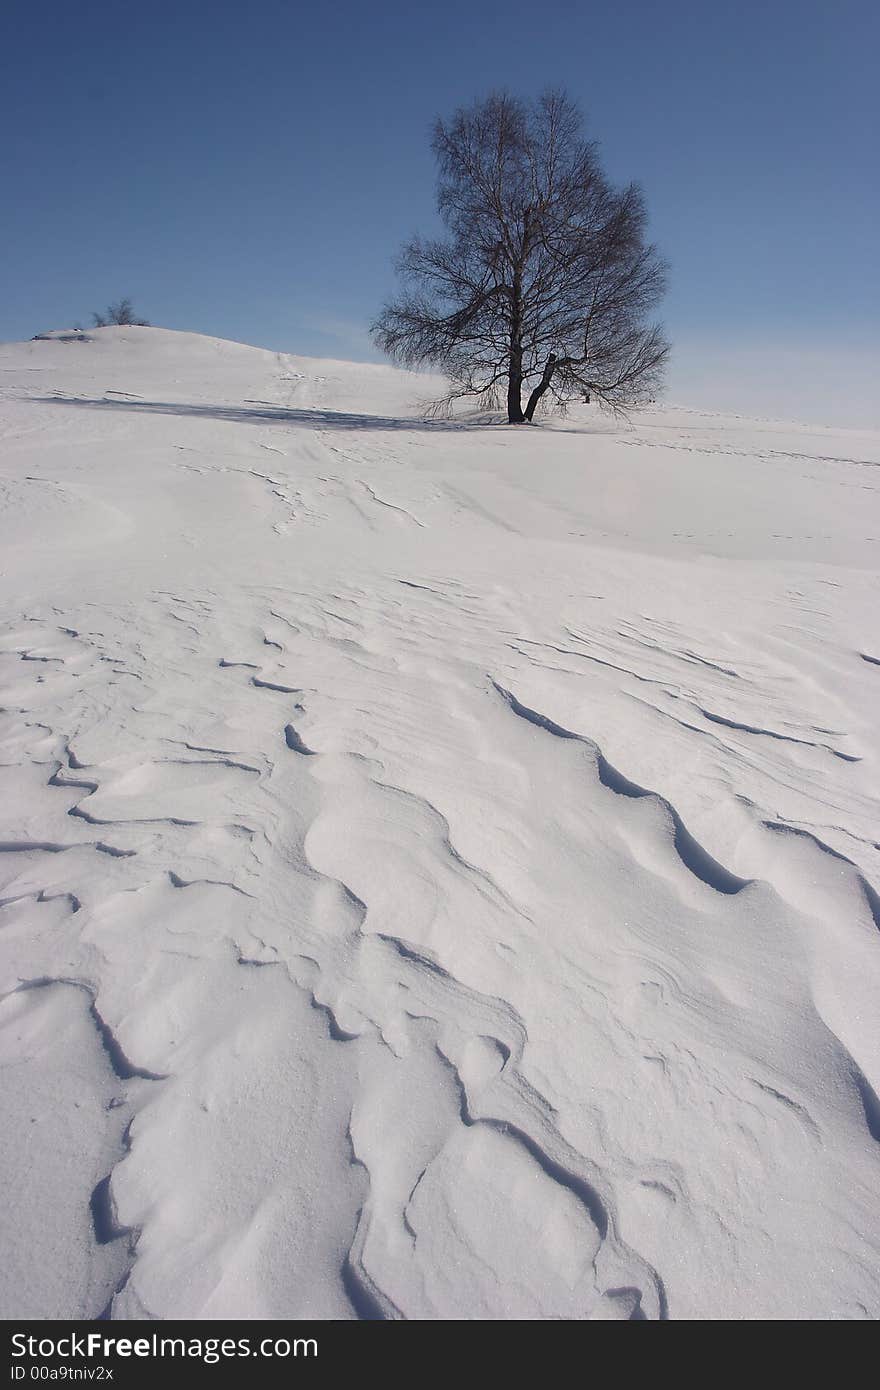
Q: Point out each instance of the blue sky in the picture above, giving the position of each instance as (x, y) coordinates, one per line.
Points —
(250, 171)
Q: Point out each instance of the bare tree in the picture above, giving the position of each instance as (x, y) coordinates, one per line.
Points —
(121, 313)
(544, 279)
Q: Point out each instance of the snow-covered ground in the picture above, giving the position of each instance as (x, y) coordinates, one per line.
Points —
(436, 857)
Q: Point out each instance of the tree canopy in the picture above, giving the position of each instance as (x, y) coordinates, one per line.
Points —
(544, 279)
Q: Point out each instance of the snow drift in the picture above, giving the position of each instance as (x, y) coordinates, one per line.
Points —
(438, 859)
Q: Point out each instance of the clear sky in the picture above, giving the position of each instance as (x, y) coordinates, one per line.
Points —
(250, 170)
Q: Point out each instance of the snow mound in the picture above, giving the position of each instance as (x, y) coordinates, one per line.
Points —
(439, 863)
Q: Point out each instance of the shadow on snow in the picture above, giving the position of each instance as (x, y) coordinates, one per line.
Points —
(307, 416)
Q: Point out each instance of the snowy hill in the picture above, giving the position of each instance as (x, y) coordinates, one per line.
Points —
(439, 860)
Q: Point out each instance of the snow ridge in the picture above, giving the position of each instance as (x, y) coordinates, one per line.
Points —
(438, 874)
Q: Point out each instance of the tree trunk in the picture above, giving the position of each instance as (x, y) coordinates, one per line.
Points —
(515, 374)
(542, 386)
(514, 387)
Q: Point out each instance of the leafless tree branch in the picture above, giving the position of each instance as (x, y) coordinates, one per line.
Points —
(544, 279)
